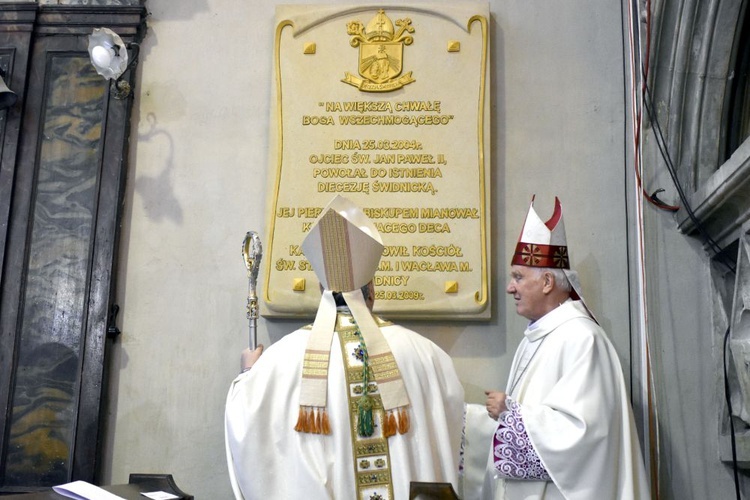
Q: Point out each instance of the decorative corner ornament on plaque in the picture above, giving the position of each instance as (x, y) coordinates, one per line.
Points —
(381, 53)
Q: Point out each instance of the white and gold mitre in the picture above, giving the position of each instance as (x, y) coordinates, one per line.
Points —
(343, 247)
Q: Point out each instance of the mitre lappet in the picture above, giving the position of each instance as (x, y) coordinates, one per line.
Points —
(344, 249)
(544, 244)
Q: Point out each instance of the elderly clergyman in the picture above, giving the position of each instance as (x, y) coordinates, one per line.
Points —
(352, 406)
(564, 424)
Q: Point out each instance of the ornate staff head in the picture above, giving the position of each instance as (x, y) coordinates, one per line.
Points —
(252, 252)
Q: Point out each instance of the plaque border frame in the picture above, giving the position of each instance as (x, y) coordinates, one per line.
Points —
(481, 296)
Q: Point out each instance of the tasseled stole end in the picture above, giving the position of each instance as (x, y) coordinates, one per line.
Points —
(313, 421)
(396, 421)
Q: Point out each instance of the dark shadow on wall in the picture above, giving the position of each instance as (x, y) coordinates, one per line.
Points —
(157, 191)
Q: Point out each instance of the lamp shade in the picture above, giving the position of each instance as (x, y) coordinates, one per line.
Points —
(108, 53)
(7, 97)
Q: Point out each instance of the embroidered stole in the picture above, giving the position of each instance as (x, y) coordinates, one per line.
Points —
(372, 461)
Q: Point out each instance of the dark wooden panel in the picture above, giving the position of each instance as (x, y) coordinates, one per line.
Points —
(56, 276)
(16, 25)
(57, 281)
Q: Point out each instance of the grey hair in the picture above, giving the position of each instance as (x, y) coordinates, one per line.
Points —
(561, 279)
(366, 293)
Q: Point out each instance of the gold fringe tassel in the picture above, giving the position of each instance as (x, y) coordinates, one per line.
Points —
(403, 422)
(301, 420)
(389, 425)
(313, 421)
(325, 425)
(310, 421)
(318, 427)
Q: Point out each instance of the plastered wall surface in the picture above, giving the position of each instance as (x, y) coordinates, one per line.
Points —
(196, 184)
(687, 352)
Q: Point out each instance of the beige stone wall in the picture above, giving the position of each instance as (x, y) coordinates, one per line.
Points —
(196, 184)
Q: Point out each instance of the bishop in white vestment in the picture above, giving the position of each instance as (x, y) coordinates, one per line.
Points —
(565, 428)
(352, 406)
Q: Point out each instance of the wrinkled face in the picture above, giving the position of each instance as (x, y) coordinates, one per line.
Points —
(526, 285)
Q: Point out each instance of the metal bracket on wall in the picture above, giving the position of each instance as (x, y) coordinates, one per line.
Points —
(112, 330)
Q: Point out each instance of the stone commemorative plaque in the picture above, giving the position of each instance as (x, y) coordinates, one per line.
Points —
(386, 105)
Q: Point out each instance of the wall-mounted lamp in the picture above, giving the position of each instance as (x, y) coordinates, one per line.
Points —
(109, 56)
(7, 97)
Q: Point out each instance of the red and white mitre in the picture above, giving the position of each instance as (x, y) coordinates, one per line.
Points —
(542, 244)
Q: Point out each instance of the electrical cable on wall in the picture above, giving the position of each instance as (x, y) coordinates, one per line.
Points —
(662, 145)
(638, 110)
(731, 421)
(647, 386)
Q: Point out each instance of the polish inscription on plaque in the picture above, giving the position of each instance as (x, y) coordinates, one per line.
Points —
(389, 108)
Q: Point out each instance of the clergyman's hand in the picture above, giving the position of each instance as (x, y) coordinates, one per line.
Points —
(495, 403)
(248, 357)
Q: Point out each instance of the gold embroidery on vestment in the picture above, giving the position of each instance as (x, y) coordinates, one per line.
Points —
(315, 372)
(367, 450)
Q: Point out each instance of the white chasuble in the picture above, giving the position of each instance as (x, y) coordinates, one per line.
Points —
(268, 459)
(567, 385)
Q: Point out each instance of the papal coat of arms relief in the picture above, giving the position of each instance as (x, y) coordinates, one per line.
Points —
(381, 53)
